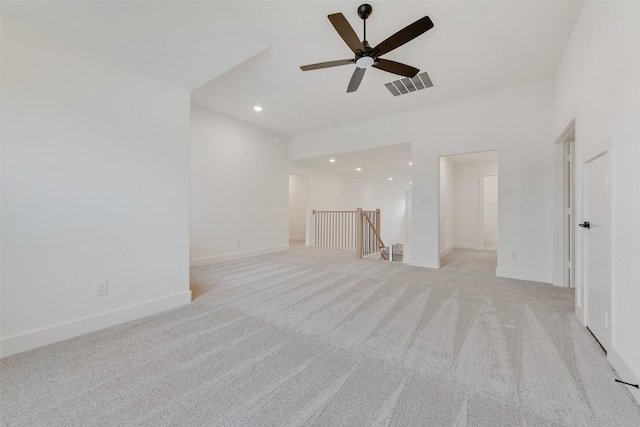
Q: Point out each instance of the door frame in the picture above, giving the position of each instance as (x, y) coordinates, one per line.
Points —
(561, 228)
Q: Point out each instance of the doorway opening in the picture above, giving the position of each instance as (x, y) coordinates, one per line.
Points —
(490, 212)
(298, 209)
(468, 211)
(565, 273)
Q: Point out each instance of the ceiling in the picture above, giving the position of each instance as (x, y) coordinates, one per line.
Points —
(235, 55)
(482, 156)
(376, 164)
(475, 47)
(381, 163)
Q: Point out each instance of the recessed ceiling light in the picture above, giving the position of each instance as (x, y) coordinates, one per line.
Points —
(332, 160)
(257, 108)
(390, 178)
(358, 169)
(410, 163)
(410, 182)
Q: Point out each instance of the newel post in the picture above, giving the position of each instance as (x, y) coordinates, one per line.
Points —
(359, 233)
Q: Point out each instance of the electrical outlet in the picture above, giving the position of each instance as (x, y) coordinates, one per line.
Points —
(514, 256)
(102, 288)
(238, 243)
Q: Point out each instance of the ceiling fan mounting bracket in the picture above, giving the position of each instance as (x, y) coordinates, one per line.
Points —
(364, 11)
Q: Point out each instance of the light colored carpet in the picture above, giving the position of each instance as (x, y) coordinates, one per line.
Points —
(471, 261)
(315, 337)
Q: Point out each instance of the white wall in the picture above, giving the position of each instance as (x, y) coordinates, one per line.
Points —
(446, 197)
(407, 221)
(467, 199)
(515, 121)
(597, 83)
(239, 204)
(95, 170)
(334, 191)
(490, 198)
(297, 207)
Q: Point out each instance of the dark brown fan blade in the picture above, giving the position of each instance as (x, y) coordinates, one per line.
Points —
(395, 67)
(326, 64)
(405, 35)
(345, 30)
(356, 78)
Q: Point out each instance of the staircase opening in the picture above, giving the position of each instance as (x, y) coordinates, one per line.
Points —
(358, 230)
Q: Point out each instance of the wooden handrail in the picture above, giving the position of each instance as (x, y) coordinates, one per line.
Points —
(315, 211)
(373, 227)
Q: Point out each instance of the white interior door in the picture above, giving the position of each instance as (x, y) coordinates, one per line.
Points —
(597, 245)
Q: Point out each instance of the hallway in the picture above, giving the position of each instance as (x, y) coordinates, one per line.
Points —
(470, 261)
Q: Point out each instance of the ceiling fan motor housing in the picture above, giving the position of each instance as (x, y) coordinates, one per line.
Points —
(365, 58)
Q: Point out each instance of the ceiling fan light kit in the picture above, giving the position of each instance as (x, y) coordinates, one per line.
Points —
(365, 55)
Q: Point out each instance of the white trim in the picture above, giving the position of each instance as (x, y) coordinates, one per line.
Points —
(491, 245)
(426, 263)
(446, 250)
(474, 246)
(578, 313)
(532, 276)
(597, 151)
(52, 334)
(236, 255)
(625, 372)
(559, 224)
(564, 136)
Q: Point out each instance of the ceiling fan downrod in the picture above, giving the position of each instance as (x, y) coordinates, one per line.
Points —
(365, 59)
(364, 11)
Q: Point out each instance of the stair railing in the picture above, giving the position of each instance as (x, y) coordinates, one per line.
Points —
(357, 230)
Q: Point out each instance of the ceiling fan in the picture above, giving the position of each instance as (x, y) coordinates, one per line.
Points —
(365, 55)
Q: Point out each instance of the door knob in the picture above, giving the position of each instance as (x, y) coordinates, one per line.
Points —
(585, 225)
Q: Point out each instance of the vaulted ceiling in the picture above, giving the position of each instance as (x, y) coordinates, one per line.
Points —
(235, 55)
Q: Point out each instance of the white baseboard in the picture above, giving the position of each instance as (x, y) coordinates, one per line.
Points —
(490, 244)
(579, 314)
(625, 371)
(474, 246)
(428, 263)
(236, 255)
(446, 250)
(52, 334)
(531, 276)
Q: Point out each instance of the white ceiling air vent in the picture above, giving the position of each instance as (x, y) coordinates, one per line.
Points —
(406, 85)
